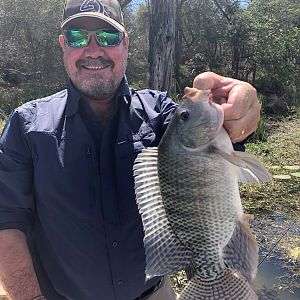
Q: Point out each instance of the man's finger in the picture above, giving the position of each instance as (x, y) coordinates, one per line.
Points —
(208, 80)
(240, 99)
(239, 129)
(239, 102)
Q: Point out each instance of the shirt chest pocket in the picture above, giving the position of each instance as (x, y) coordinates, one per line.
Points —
(144, 138)
(135, 142)
(126, 152)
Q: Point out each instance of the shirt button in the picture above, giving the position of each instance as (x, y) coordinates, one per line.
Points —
(115, 244)
(120, 282)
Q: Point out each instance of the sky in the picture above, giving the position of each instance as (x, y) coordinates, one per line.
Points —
(136, 2)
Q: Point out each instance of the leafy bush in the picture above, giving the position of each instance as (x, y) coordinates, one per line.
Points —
(10, 98)
(260, 133)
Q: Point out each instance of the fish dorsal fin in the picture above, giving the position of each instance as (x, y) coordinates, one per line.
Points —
(251, 170)
(164, 252)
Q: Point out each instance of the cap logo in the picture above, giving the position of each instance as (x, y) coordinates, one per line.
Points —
(93, 5)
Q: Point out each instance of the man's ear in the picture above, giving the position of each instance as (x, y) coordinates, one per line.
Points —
(62, 43)
(126, 41)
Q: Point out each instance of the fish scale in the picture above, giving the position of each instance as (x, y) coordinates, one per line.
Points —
(187, 195)
(206, 206)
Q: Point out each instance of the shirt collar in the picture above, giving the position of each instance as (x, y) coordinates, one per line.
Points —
(124, 94)
(124, 91)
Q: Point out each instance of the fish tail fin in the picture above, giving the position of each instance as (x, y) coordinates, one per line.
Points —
(228, 285)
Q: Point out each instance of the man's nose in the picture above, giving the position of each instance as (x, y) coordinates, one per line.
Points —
(93, 49)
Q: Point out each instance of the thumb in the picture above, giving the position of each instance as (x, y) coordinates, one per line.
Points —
(208, 81)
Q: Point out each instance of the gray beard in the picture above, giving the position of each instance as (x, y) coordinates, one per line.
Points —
(97, 89)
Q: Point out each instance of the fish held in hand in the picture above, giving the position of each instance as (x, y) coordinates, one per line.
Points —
(188, 197)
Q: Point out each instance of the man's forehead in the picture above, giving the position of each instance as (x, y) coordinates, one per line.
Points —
(89, 23)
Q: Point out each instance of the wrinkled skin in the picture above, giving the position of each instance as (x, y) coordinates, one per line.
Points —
(95, 71)
(238, 100)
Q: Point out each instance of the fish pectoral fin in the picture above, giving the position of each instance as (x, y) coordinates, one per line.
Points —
(251, 170)
(241, 253)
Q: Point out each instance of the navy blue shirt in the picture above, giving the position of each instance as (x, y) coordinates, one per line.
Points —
(67, 183)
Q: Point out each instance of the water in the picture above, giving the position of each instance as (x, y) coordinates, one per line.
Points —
(278, 277)
(267, 284)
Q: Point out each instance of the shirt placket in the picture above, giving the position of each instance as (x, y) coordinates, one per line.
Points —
(110, 209)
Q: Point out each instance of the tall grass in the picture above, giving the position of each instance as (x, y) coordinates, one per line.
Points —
(260, 133)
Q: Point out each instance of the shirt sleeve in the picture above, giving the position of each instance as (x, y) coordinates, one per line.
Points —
(16, 173)
(168, 107)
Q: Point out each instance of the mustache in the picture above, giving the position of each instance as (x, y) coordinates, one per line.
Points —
(94, 62)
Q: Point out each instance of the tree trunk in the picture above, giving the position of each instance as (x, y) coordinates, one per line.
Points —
(178, 47)
(178, 58)
(161, 44)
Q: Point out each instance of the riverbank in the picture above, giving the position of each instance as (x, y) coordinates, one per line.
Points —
(276, 207)
(280, 153)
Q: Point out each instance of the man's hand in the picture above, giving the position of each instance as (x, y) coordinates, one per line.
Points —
(239, 102)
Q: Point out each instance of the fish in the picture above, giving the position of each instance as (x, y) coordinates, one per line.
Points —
(187, 193)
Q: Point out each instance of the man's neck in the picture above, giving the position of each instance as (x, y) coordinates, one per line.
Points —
(104, 108)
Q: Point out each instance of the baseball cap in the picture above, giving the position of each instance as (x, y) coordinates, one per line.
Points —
(106, 10)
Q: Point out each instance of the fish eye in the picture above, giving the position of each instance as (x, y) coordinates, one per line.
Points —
(184, 115)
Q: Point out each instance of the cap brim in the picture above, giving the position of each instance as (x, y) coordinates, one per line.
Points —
(97, 15)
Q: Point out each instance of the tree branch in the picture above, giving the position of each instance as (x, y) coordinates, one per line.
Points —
(222, 10)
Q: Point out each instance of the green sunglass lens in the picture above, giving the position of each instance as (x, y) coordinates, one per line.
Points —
(108, 38)
(80, 37)
(77, 38)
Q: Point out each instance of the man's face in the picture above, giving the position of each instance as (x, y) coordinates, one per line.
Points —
(94, 70)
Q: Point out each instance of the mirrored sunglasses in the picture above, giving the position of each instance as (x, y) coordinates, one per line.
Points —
(104, 37)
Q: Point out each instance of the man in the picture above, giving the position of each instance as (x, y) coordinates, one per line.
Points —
(70, 228)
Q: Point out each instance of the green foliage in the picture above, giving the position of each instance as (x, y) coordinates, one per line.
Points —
(30, 56)
(13, 97)
(9, 100)
(276, 39)
(137, 25)
(260, 133)
(257, 41)
(29, 38)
